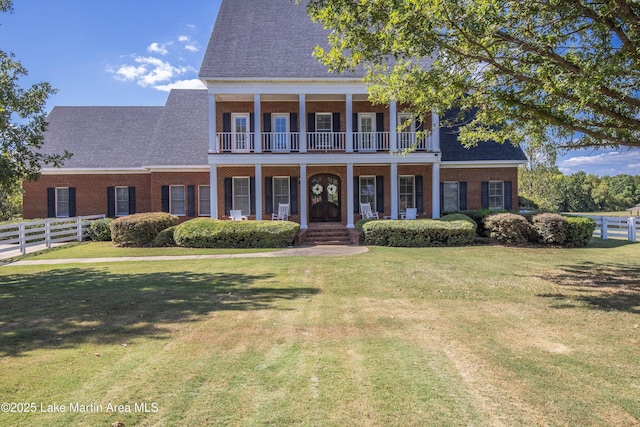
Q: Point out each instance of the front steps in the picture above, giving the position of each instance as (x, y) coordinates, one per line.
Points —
(327, 236)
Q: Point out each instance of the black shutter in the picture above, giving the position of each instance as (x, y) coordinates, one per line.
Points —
(111, 202)
(441, 197)
(380, 193)
(191, 200)
(165, 198)
(336, 128)
(266, 126)
(419, 194)
(268, 194)
(462, 194)
(252, 192)
(51, 202)
(508, 199)
(311, 122)
(356, 194)
(293, 122)
(252, 127)
(354, 128)
(252, 130)
(485, 194)
(293, 195)
(380, 129)
(72, 201)
(132, 200)
(228, 196)
(419, 124)
(226, 122)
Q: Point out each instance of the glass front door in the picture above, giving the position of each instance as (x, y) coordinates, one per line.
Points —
(324, 198)
(240, 135)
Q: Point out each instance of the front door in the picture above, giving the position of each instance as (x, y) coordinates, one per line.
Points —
(240, 133)
(324, 198)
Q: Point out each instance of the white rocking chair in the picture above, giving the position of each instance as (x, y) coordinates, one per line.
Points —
(366, 212)
(283, 213)
(236, 215)
(411, 213)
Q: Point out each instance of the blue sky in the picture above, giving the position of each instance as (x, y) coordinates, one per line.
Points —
(115, 52)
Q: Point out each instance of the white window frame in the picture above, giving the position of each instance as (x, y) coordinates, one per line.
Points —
(451, 197)
(494, 196)
(412, 194)
(236, 136)
(172, 201)
(370, 197)
(330, 115)
(204, 190)
(367, 139)
(125, 212)
(278, 137)
(324, 137)
(406, 135)
(245, 212)
(58, 202)
(275, 196)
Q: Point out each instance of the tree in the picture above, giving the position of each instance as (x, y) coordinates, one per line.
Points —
(571, 67)
(22, 123)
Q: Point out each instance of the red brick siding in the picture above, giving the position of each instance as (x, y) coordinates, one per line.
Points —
(474, 178)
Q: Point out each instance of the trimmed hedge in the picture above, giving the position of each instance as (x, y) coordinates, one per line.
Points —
(100, 230)
(140, 229)
(478, 216)
(212, 233)
(579, 231)
(360, 223)
(549, 228)
(418, 233)
(508, 228)
(165, 238)
(459, 217)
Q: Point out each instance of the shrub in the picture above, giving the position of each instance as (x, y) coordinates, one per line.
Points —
(140, 229)
(459, 217)
(508, 228)
(165, 238)
(211, 233)
(579, 231)
(418, 233)
(478, 216)
(549, 228)
(100, 230)
(362, 222)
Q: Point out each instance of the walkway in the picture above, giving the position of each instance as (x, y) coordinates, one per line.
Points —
(340, 250)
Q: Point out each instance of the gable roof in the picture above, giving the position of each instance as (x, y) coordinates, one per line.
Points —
(264, 39)
(132, 137)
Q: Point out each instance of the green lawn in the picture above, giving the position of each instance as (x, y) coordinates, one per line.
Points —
(476, 336)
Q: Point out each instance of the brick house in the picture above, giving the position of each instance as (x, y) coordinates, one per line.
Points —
(272, 127)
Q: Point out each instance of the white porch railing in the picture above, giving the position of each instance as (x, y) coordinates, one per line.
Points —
(615, 227)
(46, 231)
(286, 142)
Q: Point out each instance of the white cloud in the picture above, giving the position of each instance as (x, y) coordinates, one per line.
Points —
(189, 44)
(182, 84)
(150, 71)
(158, 48)
(600, 163)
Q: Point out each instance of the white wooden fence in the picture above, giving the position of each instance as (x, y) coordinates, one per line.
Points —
(615, 227)
(44, 232)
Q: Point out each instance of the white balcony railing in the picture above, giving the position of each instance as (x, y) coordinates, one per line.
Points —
(320, 142)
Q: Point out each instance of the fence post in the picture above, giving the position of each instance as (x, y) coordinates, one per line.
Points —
(22, 238)
(79, 228)
(47, 232)
(632, 229)
(604, 233)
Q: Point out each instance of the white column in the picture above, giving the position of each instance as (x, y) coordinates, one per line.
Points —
(435, 132)
(350, 201)
(257, 116)
(213, 190)
(213, 140)
(393, 126)
(349, 124)
(303, 195)
(394, 191)
(303, 122)
(435, 190)
(258, 194)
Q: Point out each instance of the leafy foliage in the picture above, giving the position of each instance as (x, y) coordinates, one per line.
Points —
(508, 228)
(458, 217)
(579, 231)
(549, 228)
(418, 233)
(140, 229)
(100, 230)
(165, 238)
(550, 70)
(211, 233)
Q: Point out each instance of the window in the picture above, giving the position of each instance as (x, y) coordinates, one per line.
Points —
(368, 191)
(241, 195)
(450, 196)
(177, 200)
(62, 202)
(407, 192)
(204, 200)
(240, 132)
(323, 122)
(407, 130)
(280, 129)
(280, 191)
(496, 195)
(367, 128)
(122, 201)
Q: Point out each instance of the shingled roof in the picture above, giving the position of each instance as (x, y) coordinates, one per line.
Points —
(264, 39)
(132, 137)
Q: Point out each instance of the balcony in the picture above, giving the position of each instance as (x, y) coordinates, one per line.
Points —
(321, 142)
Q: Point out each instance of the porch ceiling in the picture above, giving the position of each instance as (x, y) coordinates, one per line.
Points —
(289, 97)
